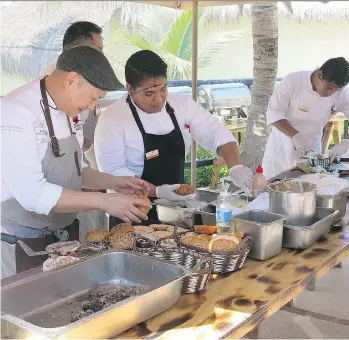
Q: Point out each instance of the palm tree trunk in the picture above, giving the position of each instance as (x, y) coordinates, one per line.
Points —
(265, 59)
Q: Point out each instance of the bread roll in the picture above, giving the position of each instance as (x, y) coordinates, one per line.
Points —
(97, 235)
(185, 189)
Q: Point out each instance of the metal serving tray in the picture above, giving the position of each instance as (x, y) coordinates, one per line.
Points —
(302, 237)
(266, 230)
(334, 202)
(37, 307)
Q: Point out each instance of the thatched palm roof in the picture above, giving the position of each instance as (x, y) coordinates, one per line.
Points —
(32, 31)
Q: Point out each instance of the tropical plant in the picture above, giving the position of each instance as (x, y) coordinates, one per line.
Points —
(169, 34)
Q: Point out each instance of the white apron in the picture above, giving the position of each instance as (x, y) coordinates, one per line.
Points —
(280, 154)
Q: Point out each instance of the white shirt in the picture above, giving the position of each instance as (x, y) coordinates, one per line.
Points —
(295, 100)
(24, 141)
(119, 144)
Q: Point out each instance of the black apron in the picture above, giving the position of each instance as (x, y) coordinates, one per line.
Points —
(168, 166)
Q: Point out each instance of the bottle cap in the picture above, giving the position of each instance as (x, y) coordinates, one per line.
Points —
(259, 170)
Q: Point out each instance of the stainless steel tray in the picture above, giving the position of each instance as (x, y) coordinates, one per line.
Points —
(266, 230)
(335, 202)
(302, 237)
(37, 307)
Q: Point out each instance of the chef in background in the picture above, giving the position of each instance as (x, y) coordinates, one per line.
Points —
(42, 171)
(299, 109)
(147, 133)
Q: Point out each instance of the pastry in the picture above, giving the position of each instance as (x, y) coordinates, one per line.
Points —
(143, 228)
(58, 262)
(205, 237)
(185, 189)
(206, 229)
(162, 234)
(160, 227)
(223, 242)
(63, 247)
(195, 241)
(122, 240)
(145, 210)
(97, 235)
(125, 228)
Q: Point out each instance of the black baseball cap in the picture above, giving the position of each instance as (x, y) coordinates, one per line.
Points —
(92, 65)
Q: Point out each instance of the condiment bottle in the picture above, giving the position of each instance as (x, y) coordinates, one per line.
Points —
(259, 182)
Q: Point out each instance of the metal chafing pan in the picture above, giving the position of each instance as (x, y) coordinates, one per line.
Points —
(266, 230)
(38, 307)
(302, 237)
(335, 202)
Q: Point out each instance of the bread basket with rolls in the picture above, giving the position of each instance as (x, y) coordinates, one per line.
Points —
(228, 251)
(200, 265)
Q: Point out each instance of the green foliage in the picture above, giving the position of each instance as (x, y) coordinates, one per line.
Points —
(171, 38)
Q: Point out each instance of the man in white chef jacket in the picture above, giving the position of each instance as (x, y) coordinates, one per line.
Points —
(42, 171)
(147, 133)
(82, 33)
(299, 109)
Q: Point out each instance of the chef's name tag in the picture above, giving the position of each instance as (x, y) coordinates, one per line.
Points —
(152, 154)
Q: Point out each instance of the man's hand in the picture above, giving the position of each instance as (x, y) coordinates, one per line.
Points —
(338, 150)
(168, 192)
(130, 185)
(125, 207)
(301, 144)
(242, 177)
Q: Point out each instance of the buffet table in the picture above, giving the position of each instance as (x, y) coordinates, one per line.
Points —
(233, 305)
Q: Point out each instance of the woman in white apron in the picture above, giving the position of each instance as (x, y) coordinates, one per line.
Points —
(299, 109)
(41, 199)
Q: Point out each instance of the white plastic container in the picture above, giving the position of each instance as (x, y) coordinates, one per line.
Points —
(224, 211)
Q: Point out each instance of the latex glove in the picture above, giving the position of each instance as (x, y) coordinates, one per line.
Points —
(167, 192)
(301, 144)
(242, 177)
(338, 150)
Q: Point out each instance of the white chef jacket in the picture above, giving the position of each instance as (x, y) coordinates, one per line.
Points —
(24, 141)
(295, 100)
(119, 144)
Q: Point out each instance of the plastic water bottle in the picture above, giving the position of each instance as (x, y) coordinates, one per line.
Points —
(223, 213)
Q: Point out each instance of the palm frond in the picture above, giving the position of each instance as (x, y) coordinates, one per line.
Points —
(211, 48)
(32, 31)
